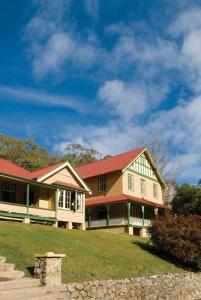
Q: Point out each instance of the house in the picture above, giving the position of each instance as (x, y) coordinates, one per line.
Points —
(127, 192)
(54, 195)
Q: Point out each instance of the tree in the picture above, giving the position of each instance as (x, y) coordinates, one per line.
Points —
(25, 153)
(187, 200)
(78, 155)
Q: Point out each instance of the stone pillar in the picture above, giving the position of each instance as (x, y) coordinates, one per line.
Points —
(47, 268)
(143, 232)
(26, 221)
(69, 225)
(130, 230)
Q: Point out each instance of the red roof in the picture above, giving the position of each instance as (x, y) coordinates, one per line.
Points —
(108, 165)
(7, 167)
(44, 171)
(69, 185)
(120, 198)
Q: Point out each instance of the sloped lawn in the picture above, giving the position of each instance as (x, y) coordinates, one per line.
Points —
(89, 255)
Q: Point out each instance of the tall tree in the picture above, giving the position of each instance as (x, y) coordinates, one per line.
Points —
(78, 155)
(25, 153)
(187, 200)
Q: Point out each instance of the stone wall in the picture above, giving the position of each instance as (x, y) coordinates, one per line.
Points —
(182, 286)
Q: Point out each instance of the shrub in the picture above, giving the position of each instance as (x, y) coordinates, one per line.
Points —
(179, 238)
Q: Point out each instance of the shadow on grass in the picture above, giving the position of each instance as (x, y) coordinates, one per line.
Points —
(148, 247)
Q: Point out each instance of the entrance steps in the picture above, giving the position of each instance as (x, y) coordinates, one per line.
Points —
(13, 286)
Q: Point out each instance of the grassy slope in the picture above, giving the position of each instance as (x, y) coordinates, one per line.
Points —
(89, 255)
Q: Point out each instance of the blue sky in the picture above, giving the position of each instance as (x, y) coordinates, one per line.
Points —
(103, 73)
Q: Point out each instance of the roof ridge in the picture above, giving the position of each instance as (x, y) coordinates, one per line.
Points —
(112, 156)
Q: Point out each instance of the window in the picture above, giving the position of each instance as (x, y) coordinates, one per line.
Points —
(143, 187)
(155, 190)
(79, 201)
(68, 200)
(102, 183)
(130, 182)
(8, 192)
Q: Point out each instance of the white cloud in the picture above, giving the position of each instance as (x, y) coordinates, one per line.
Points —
(36, 97)
(54, 44)
(128, 100)
(125, 100)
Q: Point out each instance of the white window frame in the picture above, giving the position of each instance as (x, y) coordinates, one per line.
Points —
(65, 200)
(79, 202)
(143, 186)
(131, 182)
(155, 190)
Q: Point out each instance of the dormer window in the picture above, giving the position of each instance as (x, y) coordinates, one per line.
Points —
(102, 185)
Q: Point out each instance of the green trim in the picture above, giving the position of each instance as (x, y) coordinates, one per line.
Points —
(27, 196)
(28, 181)
(143, 209)
(130, 170)
(23, 216)
(89, 216)
(108, 215)
(128, 212)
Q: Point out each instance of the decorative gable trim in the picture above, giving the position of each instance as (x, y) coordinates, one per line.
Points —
(65, 164)
(153, 165)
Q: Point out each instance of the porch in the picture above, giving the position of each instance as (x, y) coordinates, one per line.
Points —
(26, 200)
(122, 214)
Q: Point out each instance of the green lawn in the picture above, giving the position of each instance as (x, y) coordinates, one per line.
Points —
(89, 255)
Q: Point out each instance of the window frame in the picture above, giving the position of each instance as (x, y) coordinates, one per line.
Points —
(131, 177)
(102, 183)
(67, 200)
(155, 190)
(143, 188)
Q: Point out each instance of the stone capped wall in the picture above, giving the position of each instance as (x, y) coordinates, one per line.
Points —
(181, 286)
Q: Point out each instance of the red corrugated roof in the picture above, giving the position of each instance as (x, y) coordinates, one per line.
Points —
(108, 165)
(69, 185)
(9, 168)
(119, 198)
(44, 171)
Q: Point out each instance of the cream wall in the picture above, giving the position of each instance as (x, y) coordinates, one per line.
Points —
(63, 175)
(137, 187)
(70, 216)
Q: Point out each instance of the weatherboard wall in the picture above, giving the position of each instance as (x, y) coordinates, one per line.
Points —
(114, 185)
(136, 192)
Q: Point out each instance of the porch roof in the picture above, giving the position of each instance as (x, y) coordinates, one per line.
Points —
(21, 179)
(69, 185)
(122, 198)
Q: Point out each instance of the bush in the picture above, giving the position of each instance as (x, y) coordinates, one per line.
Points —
(179, 238)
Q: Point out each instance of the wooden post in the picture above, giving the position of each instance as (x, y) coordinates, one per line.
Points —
(108, 215)
(129, 212)
(143, 215)
(27, 197)
(89, 217)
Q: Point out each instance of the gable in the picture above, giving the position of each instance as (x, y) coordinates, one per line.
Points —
(64, 175)
(143, 167)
